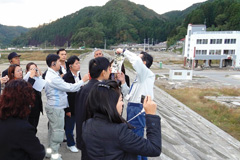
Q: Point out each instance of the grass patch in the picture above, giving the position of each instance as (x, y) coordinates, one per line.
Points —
(179, 50)
(40, 55)
(228, 119)
(4, 58)
(172, 61)
(176, 61)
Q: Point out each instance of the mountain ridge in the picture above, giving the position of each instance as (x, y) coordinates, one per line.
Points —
(122, 21)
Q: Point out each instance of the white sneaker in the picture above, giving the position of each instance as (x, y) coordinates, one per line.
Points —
(48, 153)
(73, 149)
(56, 156)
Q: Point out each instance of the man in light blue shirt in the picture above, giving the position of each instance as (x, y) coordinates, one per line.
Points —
(143, 85)
(56, 89)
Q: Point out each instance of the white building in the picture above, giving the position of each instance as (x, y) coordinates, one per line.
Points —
(212, 45)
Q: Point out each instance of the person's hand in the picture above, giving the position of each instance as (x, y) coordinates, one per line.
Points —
(121, 77)
(85, 78)
(32, 72)
(4, 79)
(39, 73)
(119, 51)
(68, 114)
(149, 106)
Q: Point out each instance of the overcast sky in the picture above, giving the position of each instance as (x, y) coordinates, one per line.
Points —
(32, 13)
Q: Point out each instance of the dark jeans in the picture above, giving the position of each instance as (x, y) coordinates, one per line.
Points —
(69, 127)
(139, 122)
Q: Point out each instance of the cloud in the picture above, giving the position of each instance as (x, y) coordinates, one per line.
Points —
(11, 1)
(31, 13)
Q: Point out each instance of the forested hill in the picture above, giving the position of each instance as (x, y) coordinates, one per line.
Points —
(117, 21)
(218, 15)
(180, 15)
(7, 33)
(122, 21)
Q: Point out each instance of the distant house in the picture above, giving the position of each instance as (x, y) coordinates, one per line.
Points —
(212, 45)
(181, 41)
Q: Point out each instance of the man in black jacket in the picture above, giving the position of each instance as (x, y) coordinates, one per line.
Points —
(72, 76)
(99, 69)
(13, 58)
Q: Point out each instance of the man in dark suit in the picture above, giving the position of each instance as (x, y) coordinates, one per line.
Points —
(99, 69)
(13, 58)
(72, 76)
(63, 56)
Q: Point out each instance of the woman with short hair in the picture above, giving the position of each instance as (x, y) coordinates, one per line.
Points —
(34, 116)
(17, 136)
(108, 136)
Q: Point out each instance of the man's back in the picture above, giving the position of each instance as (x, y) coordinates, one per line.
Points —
(81, 110)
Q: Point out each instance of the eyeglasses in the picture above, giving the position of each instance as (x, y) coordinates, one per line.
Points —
(19, 70)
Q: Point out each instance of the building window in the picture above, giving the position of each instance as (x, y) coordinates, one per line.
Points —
(219, 41)
(177, 73)
(204, 52)
(233, 41)
(230, 41)
(232, 51)
(218, 52)
(211, 52)
(199, 41)
(213, 41)
(205, 41)
(202, 41)
(198, 52)
(229, 52)
(226, 41)
(201, 52)
(215, 52)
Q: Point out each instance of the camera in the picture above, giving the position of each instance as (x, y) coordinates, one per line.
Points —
(142, 98)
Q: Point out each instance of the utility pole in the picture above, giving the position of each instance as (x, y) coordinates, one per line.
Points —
(144, 44)
(105, 44)
(148, 44)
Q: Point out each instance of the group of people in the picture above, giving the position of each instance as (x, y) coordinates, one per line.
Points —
(93, 103)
